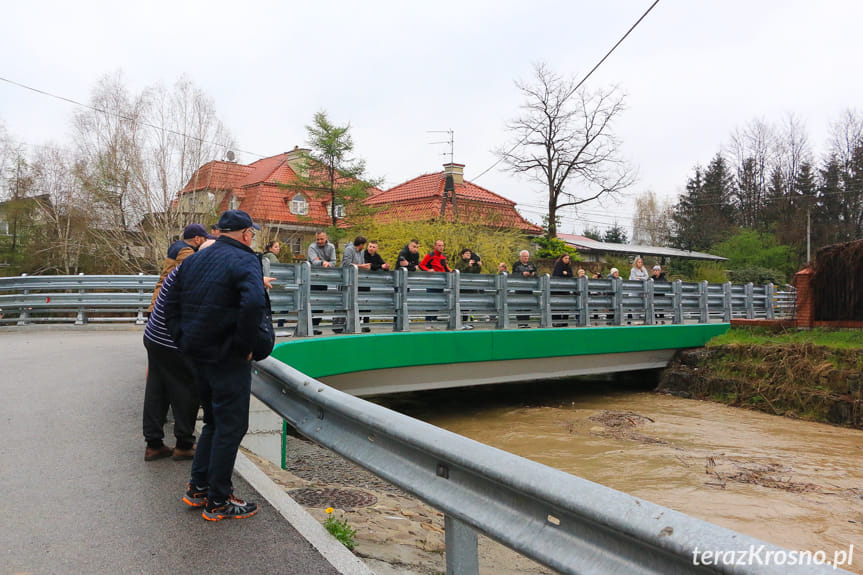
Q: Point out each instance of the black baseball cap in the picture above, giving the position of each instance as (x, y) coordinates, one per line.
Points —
(233, 220)
(195, 230)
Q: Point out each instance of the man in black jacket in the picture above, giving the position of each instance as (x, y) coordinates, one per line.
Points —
(409, 257)
(213, 312)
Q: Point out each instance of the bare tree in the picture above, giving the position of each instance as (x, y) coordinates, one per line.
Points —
(752, 157)
(652, 224)
(137, 151)
(566, 143)
(63, 212)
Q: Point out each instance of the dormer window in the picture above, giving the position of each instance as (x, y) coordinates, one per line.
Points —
(299, 205)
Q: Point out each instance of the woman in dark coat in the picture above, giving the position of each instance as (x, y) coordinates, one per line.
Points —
(562, 267)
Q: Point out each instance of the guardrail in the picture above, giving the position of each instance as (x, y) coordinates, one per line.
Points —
(349, 299)
(562, 521)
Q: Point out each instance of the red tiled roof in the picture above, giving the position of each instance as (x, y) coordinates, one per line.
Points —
(216, 175)
(420, 199)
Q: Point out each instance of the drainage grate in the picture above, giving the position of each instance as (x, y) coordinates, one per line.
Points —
(332, 497)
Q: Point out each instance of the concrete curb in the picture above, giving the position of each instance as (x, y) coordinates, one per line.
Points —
(308, 527)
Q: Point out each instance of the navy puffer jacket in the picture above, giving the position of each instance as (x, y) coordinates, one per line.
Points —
(217, 302)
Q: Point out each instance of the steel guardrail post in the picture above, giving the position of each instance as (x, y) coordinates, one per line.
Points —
(617, 300)
(583, 301)
(350, 293)
(462, 552)
(647, 301)
(770, 295)
(750, 300)
(703, 309)
(402, 317)
(139, 319)
(453, 288)
(81, 318)
(545, 301)
(304, 294)
(677, 301)
(501, 301)
(727, 302)
(23, 312)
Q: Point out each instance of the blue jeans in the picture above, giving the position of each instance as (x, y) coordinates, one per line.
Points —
(224, 388)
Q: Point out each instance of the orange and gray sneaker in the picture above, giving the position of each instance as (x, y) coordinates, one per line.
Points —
(195, 496)
(233, 508)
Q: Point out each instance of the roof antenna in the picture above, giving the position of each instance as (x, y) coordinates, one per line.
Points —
(449, 184)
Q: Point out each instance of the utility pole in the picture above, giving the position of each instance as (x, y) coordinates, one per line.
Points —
(808, 236)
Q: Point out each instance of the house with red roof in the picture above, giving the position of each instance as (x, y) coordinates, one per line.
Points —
(269, 190)
(426, 198)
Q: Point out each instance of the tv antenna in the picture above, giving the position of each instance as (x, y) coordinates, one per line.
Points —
(450, 141)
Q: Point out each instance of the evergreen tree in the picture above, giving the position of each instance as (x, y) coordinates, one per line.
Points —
(702, 216)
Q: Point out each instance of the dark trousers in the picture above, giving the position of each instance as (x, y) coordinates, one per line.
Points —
(170, 383)
(225, 388)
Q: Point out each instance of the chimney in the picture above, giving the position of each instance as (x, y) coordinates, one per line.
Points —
(456, 171)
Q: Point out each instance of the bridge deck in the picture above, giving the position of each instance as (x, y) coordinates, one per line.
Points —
(78, 497)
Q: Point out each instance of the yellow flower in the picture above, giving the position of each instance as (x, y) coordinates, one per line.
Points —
(329, 510)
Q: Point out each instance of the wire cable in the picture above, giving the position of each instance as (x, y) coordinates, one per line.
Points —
(121, 116)
(577, 86)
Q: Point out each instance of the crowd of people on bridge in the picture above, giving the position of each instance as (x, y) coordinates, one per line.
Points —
(210, 317)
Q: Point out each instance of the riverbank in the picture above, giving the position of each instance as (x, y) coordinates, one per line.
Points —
(813, 375)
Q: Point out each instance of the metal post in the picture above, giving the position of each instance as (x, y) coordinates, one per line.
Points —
(402, 321)
(583, 299)
(617, 300)
(545, 301)
(750, 301)
(770, 295)
(677, 301)
(726, 309)
(649, 314)
(703, 310)
(462, 556)
(139, 319)
(453, 283)
(24, 312)
(81, 318)
(501, 301)
(350, 293)
(304, 295)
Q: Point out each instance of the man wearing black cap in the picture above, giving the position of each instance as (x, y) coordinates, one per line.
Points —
(213, 312)
(193, 236)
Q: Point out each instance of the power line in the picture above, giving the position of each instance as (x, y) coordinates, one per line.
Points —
(120, 116)
(577, 86)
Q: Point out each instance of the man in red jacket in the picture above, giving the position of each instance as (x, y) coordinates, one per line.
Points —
(434, 262)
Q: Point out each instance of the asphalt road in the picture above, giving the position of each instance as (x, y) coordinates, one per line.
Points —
(77, 496)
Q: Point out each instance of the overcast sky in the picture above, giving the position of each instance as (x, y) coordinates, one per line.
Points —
(693, 71)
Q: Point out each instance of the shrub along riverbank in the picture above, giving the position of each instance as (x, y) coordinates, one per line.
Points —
(815, 375)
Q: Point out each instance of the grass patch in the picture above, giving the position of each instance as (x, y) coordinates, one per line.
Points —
(836, 339)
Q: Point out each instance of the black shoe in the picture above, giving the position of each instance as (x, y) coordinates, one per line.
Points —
(195, 497)
(367, 329)
(317, 332)
(338, 330)
(233, 508)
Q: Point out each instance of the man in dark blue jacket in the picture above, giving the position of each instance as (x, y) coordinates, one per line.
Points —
(213, 312)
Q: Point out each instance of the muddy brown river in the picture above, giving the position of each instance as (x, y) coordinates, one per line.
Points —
(793, 483)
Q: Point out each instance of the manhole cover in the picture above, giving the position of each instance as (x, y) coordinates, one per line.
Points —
(332, 497)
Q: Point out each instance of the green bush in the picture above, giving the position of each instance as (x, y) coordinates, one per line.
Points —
(340, 529)
(757, 275)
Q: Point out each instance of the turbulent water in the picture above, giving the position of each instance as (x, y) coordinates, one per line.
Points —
(793, 483)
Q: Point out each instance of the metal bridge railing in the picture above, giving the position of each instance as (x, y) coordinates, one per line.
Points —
(565, 522)
(348, 299)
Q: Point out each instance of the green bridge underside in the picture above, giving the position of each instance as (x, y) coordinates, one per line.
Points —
(322, 357)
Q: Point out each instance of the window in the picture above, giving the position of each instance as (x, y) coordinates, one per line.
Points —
(4, 228)
(340, 210)
(297, 245)
(299, 206)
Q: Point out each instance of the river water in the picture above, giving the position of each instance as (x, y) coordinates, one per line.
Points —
(793, 483)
